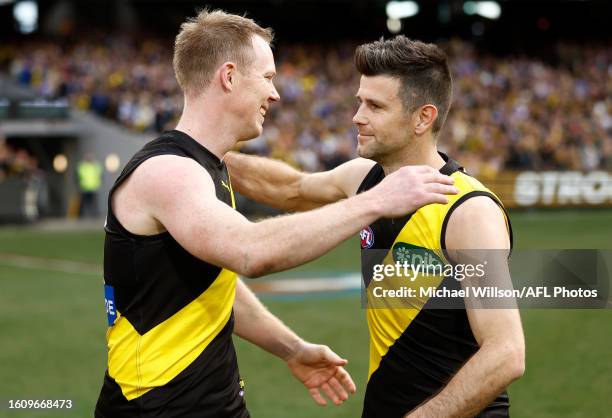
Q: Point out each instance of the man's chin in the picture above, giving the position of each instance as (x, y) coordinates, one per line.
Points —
(363, 152)
(255, 133)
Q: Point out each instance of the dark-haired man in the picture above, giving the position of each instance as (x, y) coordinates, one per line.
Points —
(423, 362)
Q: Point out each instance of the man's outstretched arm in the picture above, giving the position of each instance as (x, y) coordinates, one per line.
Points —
(279, 185)
(478, 224)
(179, 195)
(316, 366)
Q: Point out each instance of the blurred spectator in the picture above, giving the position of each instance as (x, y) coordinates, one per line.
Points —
(89, 175)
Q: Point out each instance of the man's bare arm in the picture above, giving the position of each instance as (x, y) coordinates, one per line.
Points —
(254, 323)
(478, 224)
(316, 366)
(180, 195)
(281, 186)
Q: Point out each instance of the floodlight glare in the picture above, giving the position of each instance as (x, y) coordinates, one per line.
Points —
(488, 9)
(112, 163)
(26, 14)
(60, 163)
(402, 9)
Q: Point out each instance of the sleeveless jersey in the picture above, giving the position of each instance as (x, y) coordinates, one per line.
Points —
(170, 350)
(416, 350)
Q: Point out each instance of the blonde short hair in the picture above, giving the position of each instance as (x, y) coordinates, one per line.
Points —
(210, 39)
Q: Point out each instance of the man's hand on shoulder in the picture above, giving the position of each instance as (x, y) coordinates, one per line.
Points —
(410, 188)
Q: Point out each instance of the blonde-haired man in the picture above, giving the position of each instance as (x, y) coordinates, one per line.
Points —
(174, 242)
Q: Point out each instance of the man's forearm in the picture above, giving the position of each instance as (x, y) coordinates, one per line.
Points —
(254, 323)
(288, 241)
(265, 180)
(476, 384)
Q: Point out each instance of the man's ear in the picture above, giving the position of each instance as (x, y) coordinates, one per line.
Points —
(425, 117)
(227, 75)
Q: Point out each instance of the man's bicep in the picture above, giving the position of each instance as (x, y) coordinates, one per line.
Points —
(182, 198)
(496, 325)
(211, 231)
(333, 185)
(477, 233)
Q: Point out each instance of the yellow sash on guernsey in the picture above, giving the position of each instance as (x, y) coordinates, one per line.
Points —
(388, 319)
(139, 363)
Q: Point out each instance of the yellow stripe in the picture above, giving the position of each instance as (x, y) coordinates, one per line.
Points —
(386, 326)
(388, 319)
(139, 363)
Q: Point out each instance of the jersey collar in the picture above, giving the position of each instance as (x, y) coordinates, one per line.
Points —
(450, 166)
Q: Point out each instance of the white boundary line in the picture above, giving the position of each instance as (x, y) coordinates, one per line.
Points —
(50, 264)
(299, 285)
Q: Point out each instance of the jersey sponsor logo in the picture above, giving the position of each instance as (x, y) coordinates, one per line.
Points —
(367, 237)
(109, 304)
(413, 255)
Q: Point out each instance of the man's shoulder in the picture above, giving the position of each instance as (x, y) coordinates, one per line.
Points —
(168, 169)
(352, 174)
(478, 222)
(359, 165)
(477, 208)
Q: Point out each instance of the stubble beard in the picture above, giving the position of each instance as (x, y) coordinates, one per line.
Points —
(375, 152)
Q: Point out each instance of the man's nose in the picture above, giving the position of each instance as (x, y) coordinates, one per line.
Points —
(358, 118)
(274, 96)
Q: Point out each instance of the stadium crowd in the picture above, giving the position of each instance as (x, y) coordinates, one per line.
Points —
(512, 112)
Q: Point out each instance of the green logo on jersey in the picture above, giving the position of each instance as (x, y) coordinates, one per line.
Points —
(412, 255)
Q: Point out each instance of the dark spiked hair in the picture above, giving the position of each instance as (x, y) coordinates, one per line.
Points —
(422, 69)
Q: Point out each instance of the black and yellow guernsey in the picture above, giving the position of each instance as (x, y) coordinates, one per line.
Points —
(170, 350)
(415, 350)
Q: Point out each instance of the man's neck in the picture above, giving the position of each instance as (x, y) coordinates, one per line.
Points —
(207, 127)
(415, 156)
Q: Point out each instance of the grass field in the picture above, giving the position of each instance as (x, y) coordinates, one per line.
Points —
(52, 324)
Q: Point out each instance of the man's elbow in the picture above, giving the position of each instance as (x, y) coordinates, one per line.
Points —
(253, 272)
(515, 361)
(509, 359)
(255, 265)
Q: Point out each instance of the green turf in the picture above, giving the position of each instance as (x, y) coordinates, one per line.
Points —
(564, 229)
(52, 326)
(86, 246)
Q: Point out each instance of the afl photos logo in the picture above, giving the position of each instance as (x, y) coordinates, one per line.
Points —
(367, 237)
